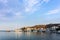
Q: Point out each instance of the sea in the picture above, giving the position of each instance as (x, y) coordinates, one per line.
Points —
(29, 36)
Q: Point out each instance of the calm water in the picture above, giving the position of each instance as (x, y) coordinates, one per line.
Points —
(28, 36)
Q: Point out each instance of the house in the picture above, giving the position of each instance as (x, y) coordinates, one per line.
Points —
(53, 27)
(36, 28)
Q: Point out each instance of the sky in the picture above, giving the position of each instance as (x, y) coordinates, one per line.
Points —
(20, 13)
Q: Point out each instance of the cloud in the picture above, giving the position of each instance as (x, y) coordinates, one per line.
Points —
(33, 5)
(18, 15)
(10, 14)
(4, 14)
(13, 9)
(10, 10)
(29, 4)
(46, 1)
(4, 1)
(54, 11)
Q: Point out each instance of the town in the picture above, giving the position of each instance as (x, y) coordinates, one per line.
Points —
(40, 28)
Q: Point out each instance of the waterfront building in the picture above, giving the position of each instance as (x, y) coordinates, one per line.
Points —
(36, 28)
(53, 27)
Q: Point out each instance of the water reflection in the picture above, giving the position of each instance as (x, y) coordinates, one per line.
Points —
(29, 36)
(7, 36)
(39, 36)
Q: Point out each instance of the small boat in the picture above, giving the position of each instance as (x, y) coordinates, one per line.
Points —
(58, 31)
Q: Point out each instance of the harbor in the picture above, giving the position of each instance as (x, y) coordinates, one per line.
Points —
(54, 28)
